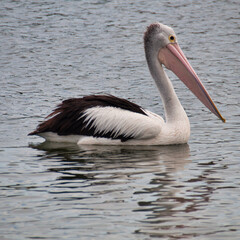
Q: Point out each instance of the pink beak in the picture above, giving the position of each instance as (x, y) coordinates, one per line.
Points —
(174, 59)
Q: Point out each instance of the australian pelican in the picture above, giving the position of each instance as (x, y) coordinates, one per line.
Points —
(105, 119)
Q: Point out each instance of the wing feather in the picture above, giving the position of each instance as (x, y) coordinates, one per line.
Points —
(119, 122)
(102, 116)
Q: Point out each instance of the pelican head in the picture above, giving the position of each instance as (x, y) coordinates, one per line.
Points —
(161, 47)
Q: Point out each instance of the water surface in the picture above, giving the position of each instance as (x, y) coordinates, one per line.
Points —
(53, 50)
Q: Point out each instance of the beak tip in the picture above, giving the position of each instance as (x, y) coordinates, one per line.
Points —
(223, 119)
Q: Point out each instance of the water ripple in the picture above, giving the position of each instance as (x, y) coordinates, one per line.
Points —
(54, 50)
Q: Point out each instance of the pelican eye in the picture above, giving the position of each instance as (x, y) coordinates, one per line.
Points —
(171, 38)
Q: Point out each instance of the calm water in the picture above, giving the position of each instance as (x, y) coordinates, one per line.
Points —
(53, 50)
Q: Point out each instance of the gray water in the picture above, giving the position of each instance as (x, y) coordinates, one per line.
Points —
(54, 50)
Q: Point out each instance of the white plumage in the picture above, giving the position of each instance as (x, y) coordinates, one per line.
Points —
(123, 122)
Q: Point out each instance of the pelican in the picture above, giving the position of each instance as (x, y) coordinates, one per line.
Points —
(105, 119)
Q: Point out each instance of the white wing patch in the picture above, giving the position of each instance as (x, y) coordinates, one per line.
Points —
(123, 122)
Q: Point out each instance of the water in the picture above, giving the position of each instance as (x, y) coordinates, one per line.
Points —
(53, 50)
